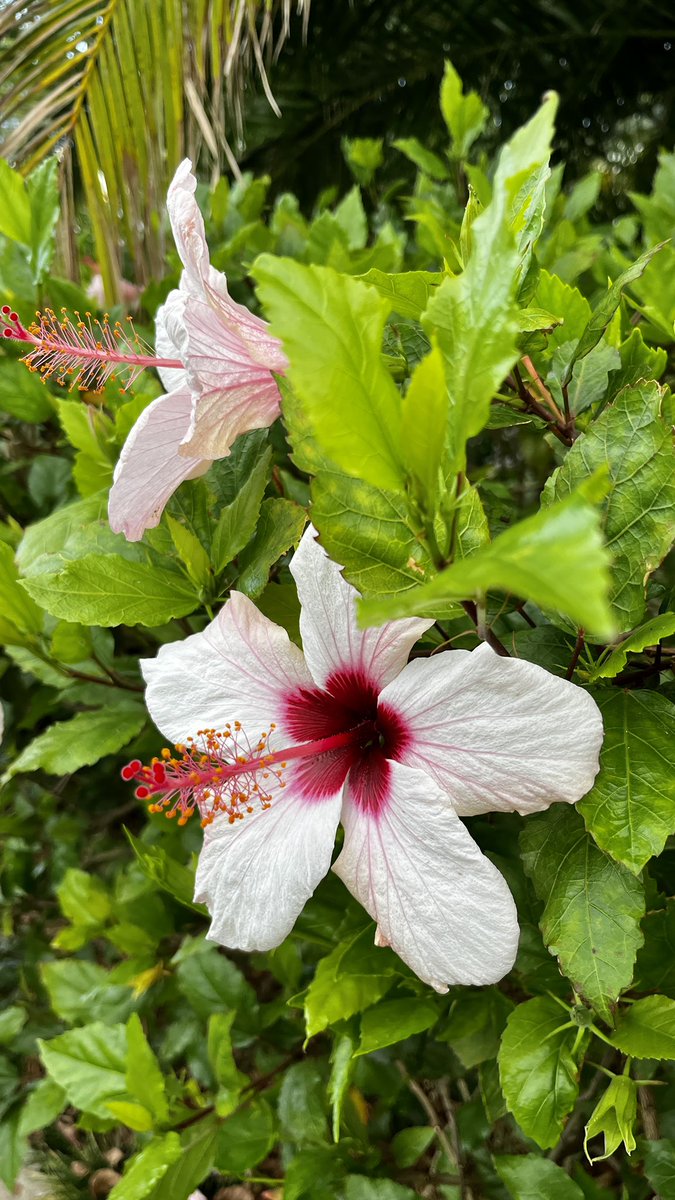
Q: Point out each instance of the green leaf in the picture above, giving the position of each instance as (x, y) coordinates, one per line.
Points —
(346, 981)
(79, 990)
(359, 1187)
(168, 874)
(363, 157)
(245, 1138)
(190, 552)
(530, 1177)
(611, 663)
(408, 293)
(423, 425)
(13, 1145)
(631, 808)
(144, 1078)
(109, 590)
(655, 967)
(474, 1027)
(341, 1070)
(614, 1117)
(42, 1107)
(660, 1167)
(199, 1144)
(211, 983)
(366, 530)
(15, 605)
(23, 394)
(302, 1113)
(42, 186)
(52, 535)
(15, 214)
(83, 899)
(229, 1079)
(646, 1029)
(280, 526)
(148, 1168)
(71, 643)
(237, 521)
(66, 746)
(89, 1064)
(393, 1021)
(426, 160)
(12, 1021)
(408, 1145)
(603, 313)
(537, 1068)
(465, 116)
(632, 438)
(592, 905)
(555, 558)
(331, 327)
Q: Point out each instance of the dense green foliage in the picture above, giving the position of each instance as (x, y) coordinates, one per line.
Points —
(501, 460)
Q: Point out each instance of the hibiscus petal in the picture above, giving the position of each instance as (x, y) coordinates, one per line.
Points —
(233, 393)
(187, 225)
(150, 467)
(256, 875)
(497, 733)
(170, 339)
(331, 637)
(438, 901)
(237, 669)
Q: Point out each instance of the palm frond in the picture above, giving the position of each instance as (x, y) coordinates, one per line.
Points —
(121, 90)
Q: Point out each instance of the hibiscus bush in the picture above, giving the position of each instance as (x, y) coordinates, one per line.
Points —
(368, 567)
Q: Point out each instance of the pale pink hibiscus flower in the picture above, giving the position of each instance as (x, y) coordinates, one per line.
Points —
(349, 731)
(215, 358)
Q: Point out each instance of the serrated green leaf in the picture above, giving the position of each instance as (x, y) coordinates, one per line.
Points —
(611, 663)
(109, 590)
(210, 983)
(83, 898)
(341, 1070)
(52, 534)
(280, 526)
(331, 327)
(144, 1078)
(530, 1177)
(592, 905)
(408, 292)
(89, 1064)
(190, 552)
(555, 558)
(245, 1139)
(538, 1072)
(346, 981)
(394, 1020)
(475, 1024)
(147, 1168)
(646, 1029)
(16, 606)
(423, 426)
(15, 215)
(66, 746)
(12, 1020)
(23, 394)
(660, 1166)
(425, 159)
(237, 521)
(163, 870)
(302, 1099)
(79, 990)
(42, 1107)
(603, 313)
(631, 808)
(632, 438)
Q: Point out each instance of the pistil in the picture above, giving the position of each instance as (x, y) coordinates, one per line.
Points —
(209, 773)
(85, 352)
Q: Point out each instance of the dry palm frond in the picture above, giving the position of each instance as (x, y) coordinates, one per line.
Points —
(121, 90)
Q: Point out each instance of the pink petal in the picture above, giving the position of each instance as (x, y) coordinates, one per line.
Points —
(497, 733)
(233, 394)
(256, 875)
(239, 668)
(187, 225)
(438, 901)
(331, 637)
(150, 467)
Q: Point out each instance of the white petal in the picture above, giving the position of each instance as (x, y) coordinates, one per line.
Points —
(187, 225)
(438, 901)
(233, 394)
(150, 467)
(171, 338)
(240, 668)
(331, 637)
(497, 733)
(256, 875)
